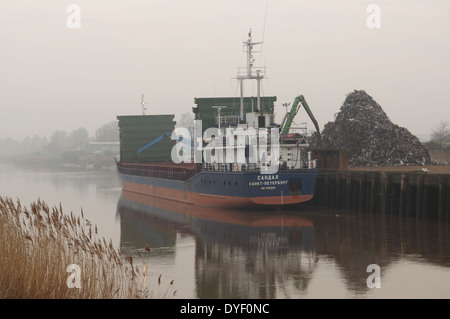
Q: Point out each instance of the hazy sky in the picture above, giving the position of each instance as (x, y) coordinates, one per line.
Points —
(53, 77)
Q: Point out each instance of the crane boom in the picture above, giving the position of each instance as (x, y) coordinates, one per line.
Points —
(298, 102)
(167, 134)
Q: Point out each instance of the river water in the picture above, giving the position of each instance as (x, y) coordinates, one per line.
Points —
(301, 252)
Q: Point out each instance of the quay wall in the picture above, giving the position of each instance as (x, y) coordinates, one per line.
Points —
(410, 192)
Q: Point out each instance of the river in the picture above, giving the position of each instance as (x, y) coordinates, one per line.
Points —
(299, 252)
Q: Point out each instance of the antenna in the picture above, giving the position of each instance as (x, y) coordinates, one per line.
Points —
(143, 103)
(264, 25)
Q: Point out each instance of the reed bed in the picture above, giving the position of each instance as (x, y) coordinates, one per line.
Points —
(39, 244)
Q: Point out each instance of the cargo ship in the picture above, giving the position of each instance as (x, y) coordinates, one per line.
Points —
(234, 155)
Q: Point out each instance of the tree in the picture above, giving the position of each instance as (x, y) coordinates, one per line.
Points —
(58, 141)
(33, 144)
(108, 132)
(441, 131)
(78, 137)
(186, 120)
(440, 135)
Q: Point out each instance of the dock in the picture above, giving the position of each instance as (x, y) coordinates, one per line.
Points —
(420, 191)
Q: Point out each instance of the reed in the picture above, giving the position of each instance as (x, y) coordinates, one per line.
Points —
(37, 245)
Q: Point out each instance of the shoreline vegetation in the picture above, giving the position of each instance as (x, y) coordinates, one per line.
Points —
(40, 247)
(75, 149)
(76, 160)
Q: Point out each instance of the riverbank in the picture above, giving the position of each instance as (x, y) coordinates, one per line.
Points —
(74, 161)
(47, 254)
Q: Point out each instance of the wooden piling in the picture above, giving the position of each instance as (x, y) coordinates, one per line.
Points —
(388, 194)
(361, 193)
(372, 193)
(355, 195)
(447, 204)
(403, 193)
(426, 200)
(326, 194)
(348, 192)
(441, 199)
(409, 200)
(419, 194)
(337, 197)
(403, 187)
(383, 193)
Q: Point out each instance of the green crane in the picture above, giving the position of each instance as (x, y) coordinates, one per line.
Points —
(298, 102)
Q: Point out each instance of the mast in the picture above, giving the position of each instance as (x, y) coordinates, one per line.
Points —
(251, 72)
(143, 104)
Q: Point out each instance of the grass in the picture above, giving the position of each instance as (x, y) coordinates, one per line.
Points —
(38, 244)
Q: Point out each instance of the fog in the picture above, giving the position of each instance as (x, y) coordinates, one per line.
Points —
(53, 77)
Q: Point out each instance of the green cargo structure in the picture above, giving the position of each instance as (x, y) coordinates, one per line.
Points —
(204, 110)
(137, 131)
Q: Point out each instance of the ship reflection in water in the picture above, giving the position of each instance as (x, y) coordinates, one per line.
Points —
(238, 254)
(287, 254)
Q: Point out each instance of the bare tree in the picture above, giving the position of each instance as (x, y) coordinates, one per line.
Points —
(108, 132)
(441, 132)
(186, 120)
(78, 137)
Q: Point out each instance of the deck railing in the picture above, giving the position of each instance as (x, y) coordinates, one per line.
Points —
(172, 173)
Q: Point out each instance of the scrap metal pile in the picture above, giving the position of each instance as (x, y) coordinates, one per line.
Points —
(371, 139)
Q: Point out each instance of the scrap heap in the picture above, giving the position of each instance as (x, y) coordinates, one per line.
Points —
(371, 139)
